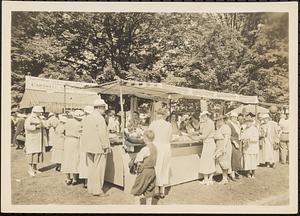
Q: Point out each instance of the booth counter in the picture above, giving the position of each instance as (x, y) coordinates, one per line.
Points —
(184, 165)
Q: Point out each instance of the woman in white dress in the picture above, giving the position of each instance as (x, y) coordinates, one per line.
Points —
(250, 142)
(163, 135)
(83, 168)
(207, 161)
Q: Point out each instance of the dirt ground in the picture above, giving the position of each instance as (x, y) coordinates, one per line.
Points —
(269, 188)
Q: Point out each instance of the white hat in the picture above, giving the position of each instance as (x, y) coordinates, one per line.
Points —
(265, 115)
(20, 115)
(233, 114)
(88, 109)
(37, 109)
(50, 114)
(62, 118)
(78, 113)
(99, 102)
(204, 113)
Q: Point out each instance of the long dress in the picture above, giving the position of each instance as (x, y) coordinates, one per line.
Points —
(52, 123)
(223, 162)
(83, 167)
(271, 131)
(71, 147)
(236, 157)
(58, 145)
(163, 134)
(252, 149)
(207, 160)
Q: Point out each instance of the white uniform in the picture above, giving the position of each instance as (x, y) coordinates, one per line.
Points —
(163, 134)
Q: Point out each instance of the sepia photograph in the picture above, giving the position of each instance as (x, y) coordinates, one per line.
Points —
(136, 107)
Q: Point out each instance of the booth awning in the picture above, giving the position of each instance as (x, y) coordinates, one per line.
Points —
(54, 101)
(165, 91)
(249, 108)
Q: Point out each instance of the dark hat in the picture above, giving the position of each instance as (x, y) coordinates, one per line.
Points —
(250, 114)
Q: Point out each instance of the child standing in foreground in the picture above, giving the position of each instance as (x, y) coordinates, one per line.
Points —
(145, 160)
(250, 140)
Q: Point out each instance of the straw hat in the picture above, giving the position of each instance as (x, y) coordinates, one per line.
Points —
(100, 103)
(78, 114)
(37, 109)
(88, 109)
(265, 116)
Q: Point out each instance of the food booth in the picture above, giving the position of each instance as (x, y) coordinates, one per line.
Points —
(186, 152)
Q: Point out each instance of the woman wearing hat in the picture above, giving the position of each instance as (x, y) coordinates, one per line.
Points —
(20, 132)
(83, 168)
(236, 155)
(58, 144)
(96, 144)
(36, 139)
(163, 135)
(71, 147)
(52, 122)
(193, 127)
(284, 138)
(207, 161)
(223, 148)
(271, 133)
(250, 142)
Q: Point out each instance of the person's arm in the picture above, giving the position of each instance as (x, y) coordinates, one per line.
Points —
(28, 126)
(103, 134)
(145, 152)
(206, 131)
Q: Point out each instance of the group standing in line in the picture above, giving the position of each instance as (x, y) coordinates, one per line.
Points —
(80, 144)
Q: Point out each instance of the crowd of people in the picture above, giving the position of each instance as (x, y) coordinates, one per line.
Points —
(80, 142)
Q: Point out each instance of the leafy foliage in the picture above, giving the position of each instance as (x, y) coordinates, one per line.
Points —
(239, 53)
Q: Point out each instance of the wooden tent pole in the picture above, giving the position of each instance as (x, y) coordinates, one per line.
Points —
(256, 112)
(122, 115)
(65, 98)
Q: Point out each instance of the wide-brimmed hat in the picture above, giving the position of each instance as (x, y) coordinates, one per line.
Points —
(78, 114)
(88, 109)
(20, 115)
(265, 115)
(100, 103)
(37, 109)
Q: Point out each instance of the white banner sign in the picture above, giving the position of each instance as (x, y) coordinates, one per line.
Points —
(51, 85)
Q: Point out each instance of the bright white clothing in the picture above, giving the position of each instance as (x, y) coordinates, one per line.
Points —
(163, 135)
(252, 135)
(284, 125)
(207, 160)
(145, 152)
(113, 125)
